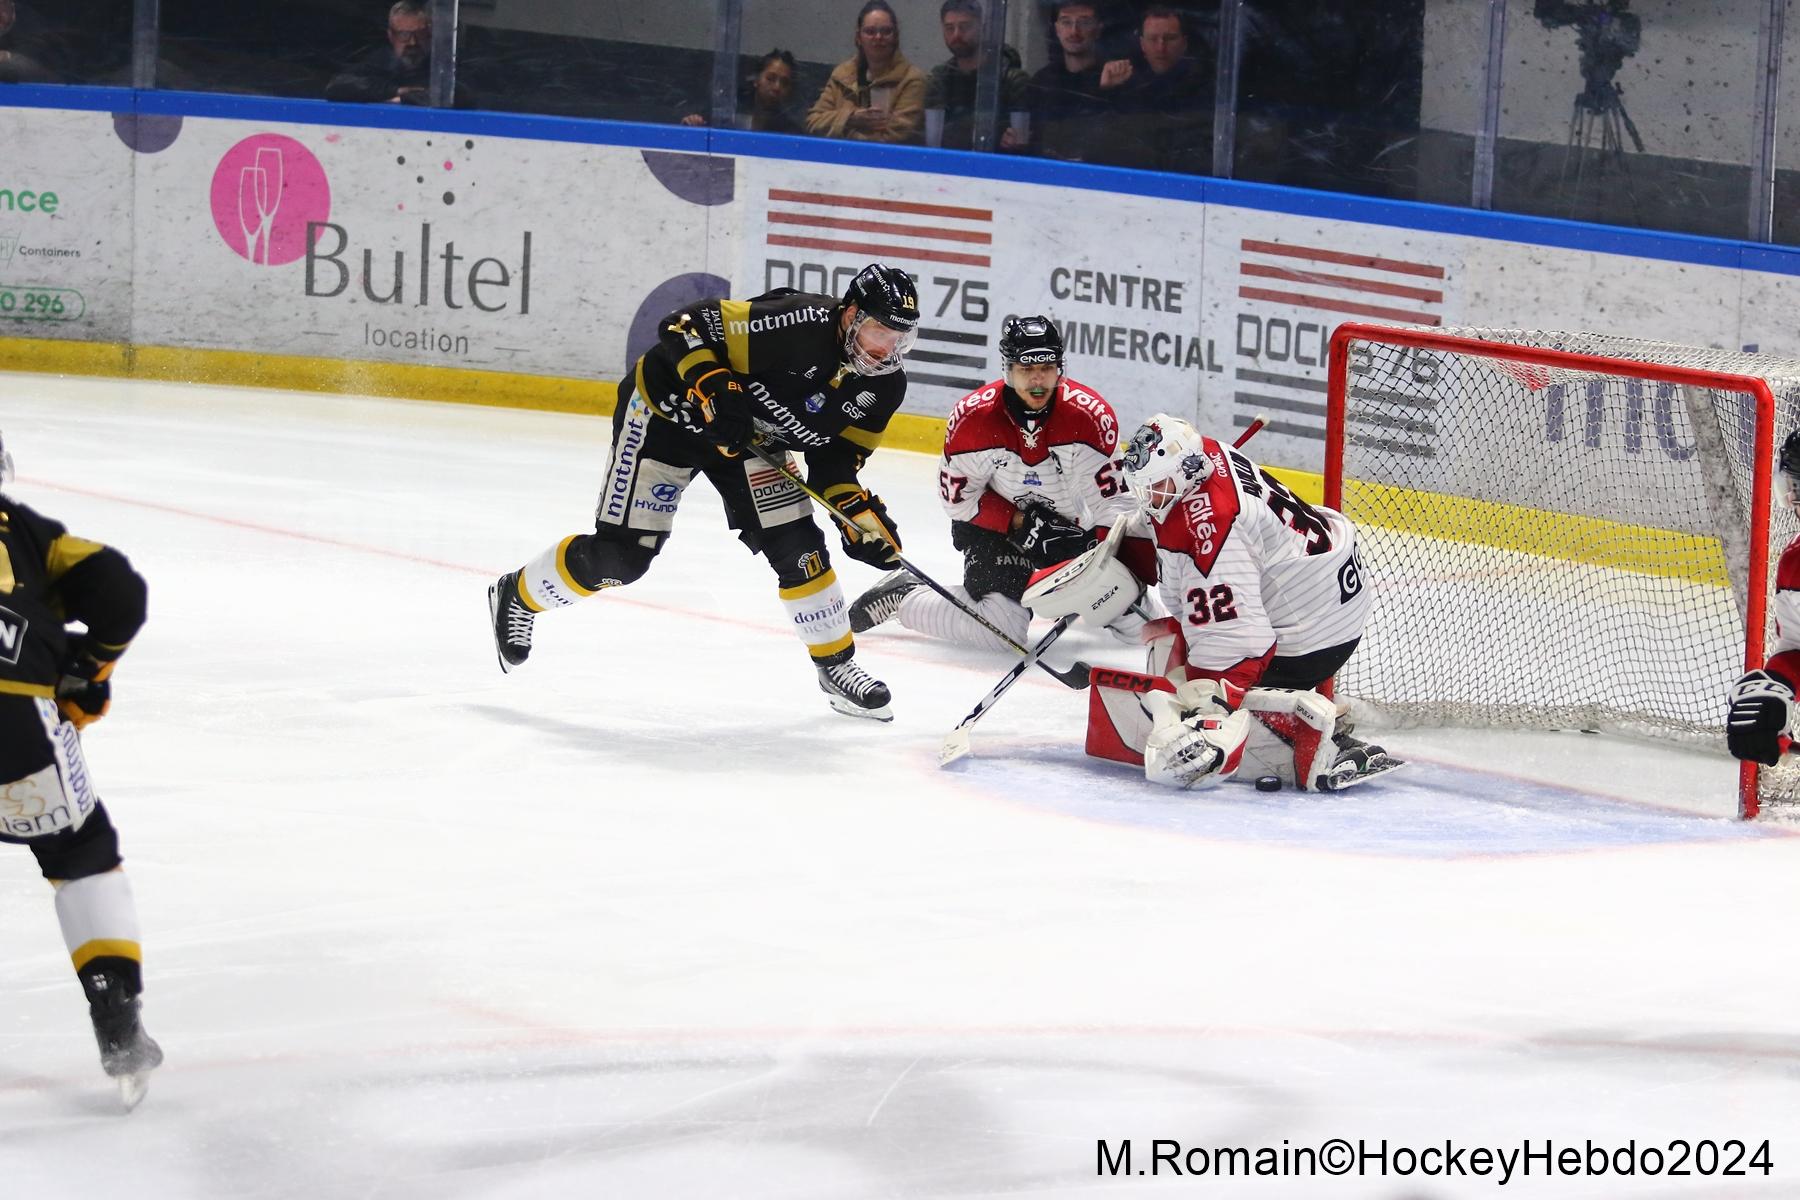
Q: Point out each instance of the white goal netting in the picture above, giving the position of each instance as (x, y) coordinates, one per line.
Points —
(1553, 545)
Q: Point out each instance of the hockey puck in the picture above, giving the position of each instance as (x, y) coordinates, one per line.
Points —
(1268, 783)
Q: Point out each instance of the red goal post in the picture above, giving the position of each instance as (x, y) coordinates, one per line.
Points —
(1565, 530)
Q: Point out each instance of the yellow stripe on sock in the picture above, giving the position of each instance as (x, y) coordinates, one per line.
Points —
(87, 952)
(562, 567)
(830, 648)
(811, 587)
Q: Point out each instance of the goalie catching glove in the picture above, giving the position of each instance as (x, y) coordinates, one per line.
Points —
(84, 693)
(1198, 735)
(716, 407)
(1047, 537)
(1760, 712)
(871, 537)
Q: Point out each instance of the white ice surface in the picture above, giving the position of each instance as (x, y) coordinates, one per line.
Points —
(646, 919)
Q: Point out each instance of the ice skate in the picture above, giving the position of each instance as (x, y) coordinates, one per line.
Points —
(127, 1053)
(512, 621)
(853, 692)
(882, 601)
(1357, 762)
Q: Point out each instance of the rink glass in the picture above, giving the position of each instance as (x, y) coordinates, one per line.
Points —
(1657, 114)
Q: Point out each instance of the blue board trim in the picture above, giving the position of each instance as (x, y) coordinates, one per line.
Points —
(1398, 214)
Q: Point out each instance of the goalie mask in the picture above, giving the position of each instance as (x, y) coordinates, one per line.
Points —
(1164, 460)
(1032, 350)
(1789, 465)
(886, 321)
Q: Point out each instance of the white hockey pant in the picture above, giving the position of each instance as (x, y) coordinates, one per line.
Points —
(924, 611)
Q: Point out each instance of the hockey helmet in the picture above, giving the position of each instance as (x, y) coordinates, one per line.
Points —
(1165, 458)
(1789, 465)
(1030, 341)
(886, 322)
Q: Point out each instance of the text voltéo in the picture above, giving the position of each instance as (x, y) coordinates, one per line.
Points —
(487, 284)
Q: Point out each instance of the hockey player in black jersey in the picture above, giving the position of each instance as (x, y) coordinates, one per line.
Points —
(53, 683)
(787, 371)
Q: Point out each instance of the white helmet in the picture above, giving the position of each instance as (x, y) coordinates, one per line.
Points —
(1165, 458)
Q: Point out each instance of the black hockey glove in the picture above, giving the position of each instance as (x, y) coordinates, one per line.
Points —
(1758, 715)
(716, 407)
(875, 539)
(84, 692)
(1047, 537)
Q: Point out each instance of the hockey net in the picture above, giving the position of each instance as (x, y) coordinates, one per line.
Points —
(1564, 530)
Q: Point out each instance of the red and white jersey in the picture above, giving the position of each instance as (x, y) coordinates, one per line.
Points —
(1785, 661)
(991, 467)
(1251, 571)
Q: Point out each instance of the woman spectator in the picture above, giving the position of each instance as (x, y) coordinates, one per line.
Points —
(770, 93)
(878, 96)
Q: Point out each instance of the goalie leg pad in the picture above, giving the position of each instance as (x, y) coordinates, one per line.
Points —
(1118, 719)
(1195, 740)
(1291, 736)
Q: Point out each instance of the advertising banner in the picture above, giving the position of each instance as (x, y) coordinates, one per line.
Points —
(416, 247)
(66, 226)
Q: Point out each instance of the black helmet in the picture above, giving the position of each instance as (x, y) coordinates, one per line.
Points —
(886, 296)
(1030, 340)
(1790, 454)
(1789, 465)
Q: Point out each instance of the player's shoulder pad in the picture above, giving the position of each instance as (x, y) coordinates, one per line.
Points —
(1083, 416)
(1787, 571)
(978, 422)
(785, 308)
(29, 521)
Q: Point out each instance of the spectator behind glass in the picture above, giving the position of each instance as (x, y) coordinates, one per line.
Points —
(771, 93)
(398, 72)
(25, 51)
(877, 96)
(1165, 100)
(1069, 103)
(950, 89)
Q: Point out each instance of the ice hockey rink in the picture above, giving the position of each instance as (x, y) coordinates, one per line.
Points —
(647, 919)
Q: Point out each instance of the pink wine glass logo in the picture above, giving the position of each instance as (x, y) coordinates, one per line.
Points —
(265, 191)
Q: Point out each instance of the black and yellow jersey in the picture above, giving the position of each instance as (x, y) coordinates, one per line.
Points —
(789, 350)
(49, 578)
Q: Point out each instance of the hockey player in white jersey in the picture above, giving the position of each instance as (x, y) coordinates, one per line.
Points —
(1759, 717)
(1028, 479)
(1269, 600)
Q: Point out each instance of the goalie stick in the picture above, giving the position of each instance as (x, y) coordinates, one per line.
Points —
(956, 742)
(1074, 676)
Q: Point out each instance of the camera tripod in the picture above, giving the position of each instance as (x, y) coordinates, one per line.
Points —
(1599, 125)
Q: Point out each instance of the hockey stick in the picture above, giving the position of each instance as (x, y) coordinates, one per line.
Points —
(956, 742)
(1074, 676)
